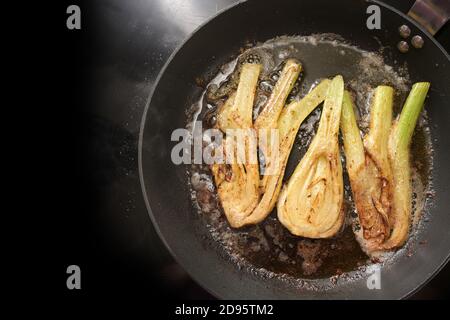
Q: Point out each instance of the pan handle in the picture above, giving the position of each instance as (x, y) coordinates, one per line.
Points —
(431, 14)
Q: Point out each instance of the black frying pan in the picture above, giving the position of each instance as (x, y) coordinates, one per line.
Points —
(164, 184)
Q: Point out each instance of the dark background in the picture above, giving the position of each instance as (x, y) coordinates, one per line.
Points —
(102, 78)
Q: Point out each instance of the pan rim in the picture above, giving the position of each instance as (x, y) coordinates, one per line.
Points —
(150, 98)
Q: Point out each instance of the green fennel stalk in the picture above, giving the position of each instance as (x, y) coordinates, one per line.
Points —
(400, 141)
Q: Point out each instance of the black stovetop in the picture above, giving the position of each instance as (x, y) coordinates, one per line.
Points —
(126, 43)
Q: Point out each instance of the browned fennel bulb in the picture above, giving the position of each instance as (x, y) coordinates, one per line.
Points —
(379, 168)
(369, 168)
(310, 205)
(237, 180)
(399, 145)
